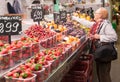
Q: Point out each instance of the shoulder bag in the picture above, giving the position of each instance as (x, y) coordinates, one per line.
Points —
(104, 51)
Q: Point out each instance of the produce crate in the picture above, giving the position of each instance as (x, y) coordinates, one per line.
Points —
(80, 71)
(90, 78)
(88, 58)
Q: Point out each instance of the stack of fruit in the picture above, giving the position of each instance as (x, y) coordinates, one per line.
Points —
(16, 53)
(74, 41)
(21, 74)
(42, 64)
(30, 47)
(66, 50)
(57, 27)
(45, 35)
(78, 33)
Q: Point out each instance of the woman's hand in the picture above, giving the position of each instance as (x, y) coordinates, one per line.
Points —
(90, 36)
(96, 36)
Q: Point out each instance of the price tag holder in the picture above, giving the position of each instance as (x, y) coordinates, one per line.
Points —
(10, 25)
(63, 16)
(37, 13)
(56, 17)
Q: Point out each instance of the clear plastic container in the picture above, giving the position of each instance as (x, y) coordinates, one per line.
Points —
(43, 43)
(35, 48)
(78, 43)
(73, 46)
(64, 32)
(54, 40)
(49, 42)
(47, 70)
(62, 57)
(59, 37)
(31, 79)
(16, 56)
(4, 38)
(26, 52)
(57, 61)
(70, 50)
(4, 61)
(40, 75)
(54, 63)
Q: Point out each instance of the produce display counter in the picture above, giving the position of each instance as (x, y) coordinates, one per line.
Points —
(64, 67)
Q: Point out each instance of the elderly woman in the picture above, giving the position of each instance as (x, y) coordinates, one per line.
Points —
(106, 34)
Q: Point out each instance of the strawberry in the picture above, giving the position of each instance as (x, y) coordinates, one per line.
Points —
(1, 43)
(9, 74)
(16, 75)
(24, 75)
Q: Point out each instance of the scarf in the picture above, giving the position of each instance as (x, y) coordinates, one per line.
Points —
(95, 27)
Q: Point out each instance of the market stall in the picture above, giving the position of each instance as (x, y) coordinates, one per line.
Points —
(43, 46)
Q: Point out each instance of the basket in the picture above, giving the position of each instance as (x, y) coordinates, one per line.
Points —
(81, 71)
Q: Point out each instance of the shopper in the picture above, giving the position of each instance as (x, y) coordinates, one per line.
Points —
(107, 34)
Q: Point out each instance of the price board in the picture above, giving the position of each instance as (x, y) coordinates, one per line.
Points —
(10, 25)
(63, 16)
(56, 17)
(37, 13)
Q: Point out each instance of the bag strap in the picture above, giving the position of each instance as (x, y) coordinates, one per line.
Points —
(98, 31)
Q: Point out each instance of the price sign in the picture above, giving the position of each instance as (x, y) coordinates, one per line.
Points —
(56, 17)
(37, 13)
(10, 25)
(63, 16)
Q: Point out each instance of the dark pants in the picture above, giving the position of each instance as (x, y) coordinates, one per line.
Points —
(103, 71)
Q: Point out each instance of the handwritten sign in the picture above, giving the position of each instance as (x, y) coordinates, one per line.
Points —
(37, 13)
(10, 25)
